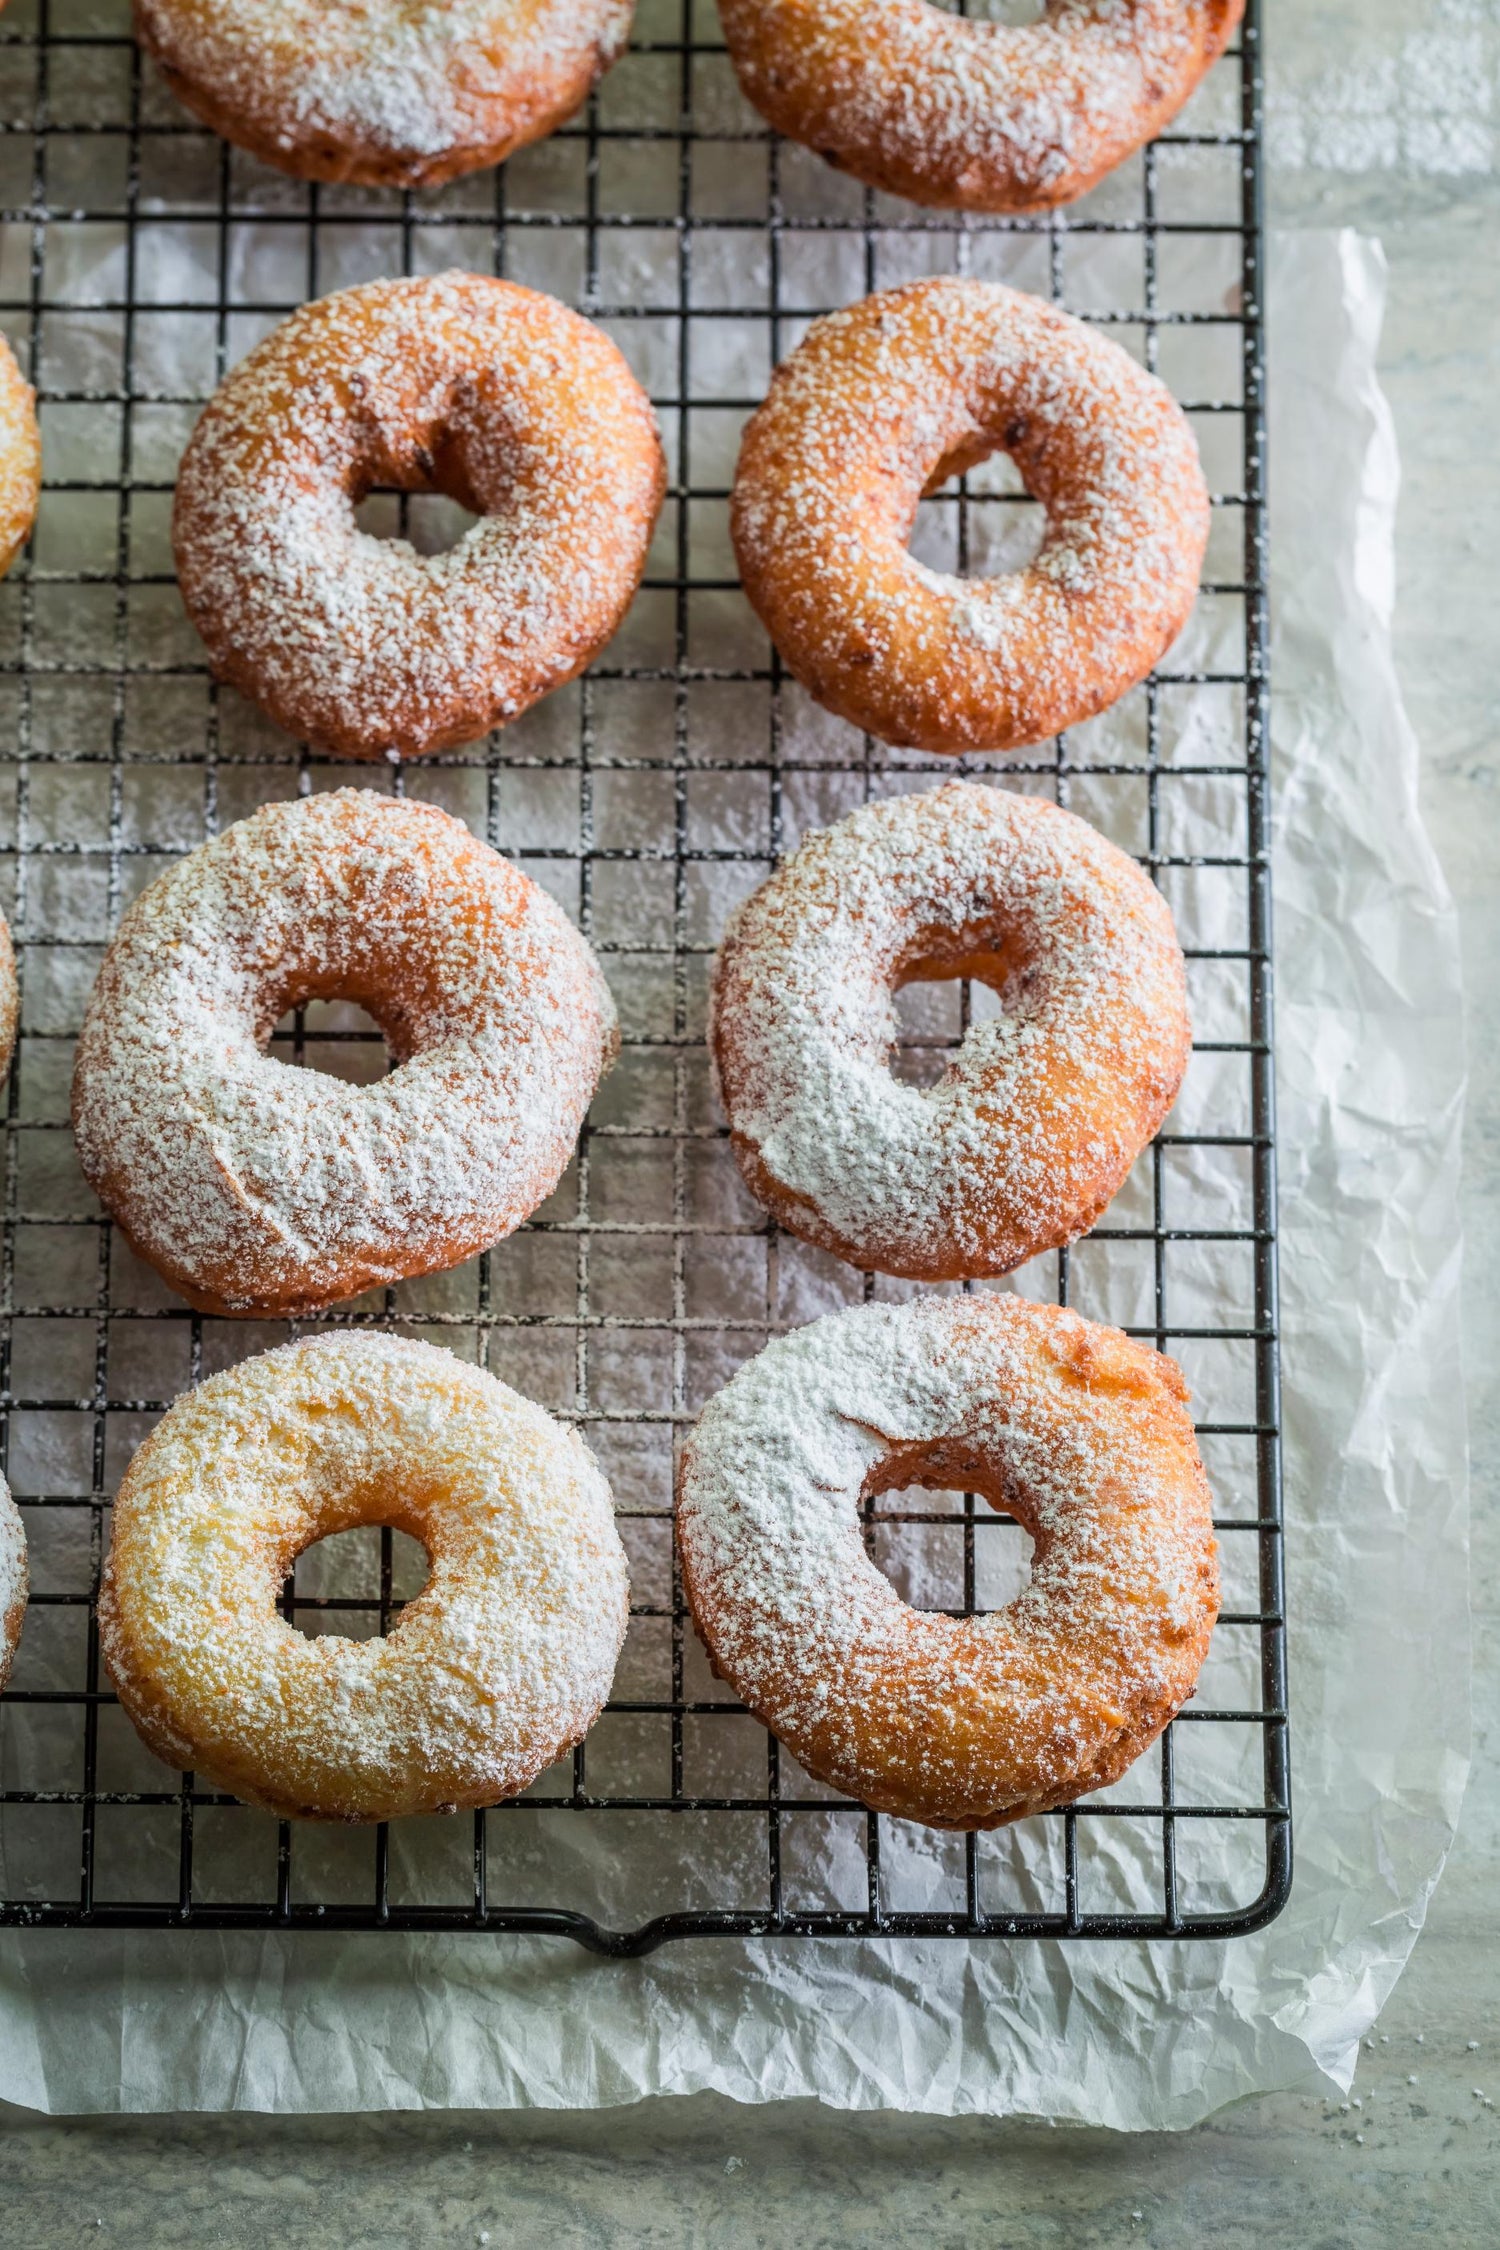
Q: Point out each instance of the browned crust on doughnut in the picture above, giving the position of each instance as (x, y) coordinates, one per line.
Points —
(1117, 1381)
(13, 1553)
(532, 107)
(323, 159)
(10, 1626)
(20, 458)
(885, 93)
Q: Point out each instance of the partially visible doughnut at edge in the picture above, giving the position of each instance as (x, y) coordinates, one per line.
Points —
(20, 458)
(967, 114)
(383, 93)
(15, 1579)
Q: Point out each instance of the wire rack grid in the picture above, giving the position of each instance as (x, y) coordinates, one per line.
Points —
(140, 258)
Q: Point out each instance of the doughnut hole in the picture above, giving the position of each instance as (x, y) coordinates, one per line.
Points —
(432, 523)
(976, 519)
(979, 975)
(337, 1584)
(429, 485)
(358, 988)
(995, 11)
(939, 1553)
(336, 1037)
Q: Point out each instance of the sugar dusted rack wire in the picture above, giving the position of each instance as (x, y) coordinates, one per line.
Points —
(141, 256)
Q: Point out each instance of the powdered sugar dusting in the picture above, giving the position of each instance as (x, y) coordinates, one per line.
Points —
(494, 394)
(961, 1722)
(256, 1186)
(500, 1664)
(1043, 1109)
(983, 116)
(887, 399)
(404, 91)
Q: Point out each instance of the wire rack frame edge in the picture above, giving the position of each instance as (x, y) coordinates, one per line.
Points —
(73, 49)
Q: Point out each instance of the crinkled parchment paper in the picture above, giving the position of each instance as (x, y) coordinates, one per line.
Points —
(1130, 2036)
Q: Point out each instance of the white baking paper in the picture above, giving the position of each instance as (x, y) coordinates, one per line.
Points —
(1124, 2035)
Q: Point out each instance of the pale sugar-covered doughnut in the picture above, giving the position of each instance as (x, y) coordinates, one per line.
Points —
(1081, 1434)
(390, 93)
(1043, 1109)
(966, 113)
(499, 1665)
(495, 395)
(255, 1187)
(886, 401)
(20, 458)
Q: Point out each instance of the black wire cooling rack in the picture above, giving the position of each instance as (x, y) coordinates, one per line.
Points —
(140, 257)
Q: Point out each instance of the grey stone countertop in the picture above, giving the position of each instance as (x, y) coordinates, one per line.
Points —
(1386, 116)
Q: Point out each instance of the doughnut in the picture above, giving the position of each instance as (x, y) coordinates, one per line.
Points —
(255, 1187)
(388, 93)
(883, 403)
(498, 397)
(20, 458)
(958, 1722)
(14, 1580)
(974, 116)
(1043, 1109)
(499, 1665)
(10, 998)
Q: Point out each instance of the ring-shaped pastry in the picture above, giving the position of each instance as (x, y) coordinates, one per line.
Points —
(883, 403)
(388, 93)
(960, 1722)
(968, 114)
(20, 458)
(495, 395)
(1039, 1115)
(255, 1187)
(499, 1665)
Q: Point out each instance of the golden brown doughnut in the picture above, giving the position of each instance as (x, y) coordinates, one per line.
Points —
(886, 401)
(390, 93)
(495, 395)
(497, 1667)
(972, 115)
(1044, 1108)
(259, 1188)
(20, 458)
(959, 1722)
